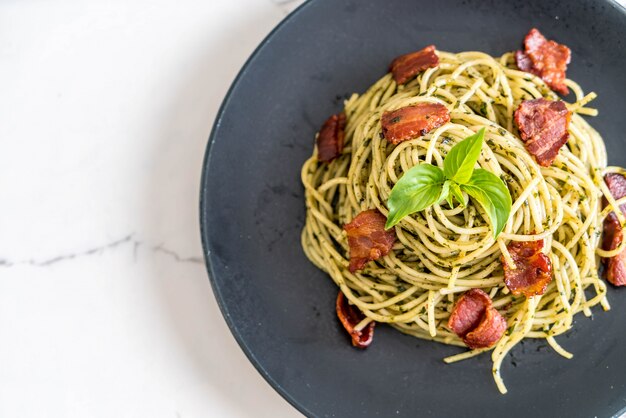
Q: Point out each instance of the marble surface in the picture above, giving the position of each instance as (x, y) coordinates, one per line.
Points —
(105, 307)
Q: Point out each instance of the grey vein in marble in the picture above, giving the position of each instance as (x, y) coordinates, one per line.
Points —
(286, 6)
(128, 239)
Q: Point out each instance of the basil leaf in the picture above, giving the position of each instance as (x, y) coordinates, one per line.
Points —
(493, 195)
(460, 161)
(455, 190)
(445, 190)
(417, 189)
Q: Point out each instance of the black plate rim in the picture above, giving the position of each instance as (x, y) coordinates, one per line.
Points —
(204, 227)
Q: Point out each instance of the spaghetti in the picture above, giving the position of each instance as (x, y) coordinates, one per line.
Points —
(442, 252)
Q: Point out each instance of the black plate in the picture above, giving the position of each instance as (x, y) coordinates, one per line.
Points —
(281, 308)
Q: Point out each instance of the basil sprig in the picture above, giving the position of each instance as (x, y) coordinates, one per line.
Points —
(426, 184)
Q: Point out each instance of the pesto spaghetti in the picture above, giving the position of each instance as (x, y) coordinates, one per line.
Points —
(443, 251)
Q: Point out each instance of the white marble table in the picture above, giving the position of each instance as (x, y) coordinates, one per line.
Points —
(105, 306)
(105, 110)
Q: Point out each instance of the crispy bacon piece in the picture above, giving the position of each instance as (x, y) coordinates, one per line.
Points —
(524, 62)
(543, 127)
(546, 59)
(368, 239)
(413, 121)
(476, 321)
(350, 316)
(533, 269)
(615, 267)
(409, 65)
(617, 186)
(330, 138)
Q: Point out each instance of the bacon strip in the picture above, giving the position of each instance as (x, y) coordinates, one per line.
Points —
(368, 239)
(617, 186)
(533, 269)
(546, 59)
(350, 316)
(413, 121)
(524, 62)
(543, 127)
(330, 139)
(408, 66)
(615, 267)
(476, 321)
